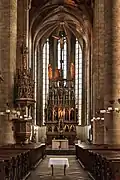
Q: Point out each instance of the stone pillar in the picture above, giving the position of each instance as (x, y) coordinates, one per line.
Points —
(39, 113)
(8, 32)
(23, 7)
(108, 72)
(98, 56)
(84, 87)
(113, 126)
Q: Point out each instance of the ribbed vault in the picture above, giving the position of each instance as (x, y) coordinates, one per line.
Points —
(47, 17)
(46, 20)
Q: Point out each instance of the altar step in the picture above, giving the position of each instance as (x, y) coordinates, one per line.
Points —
(70, 151)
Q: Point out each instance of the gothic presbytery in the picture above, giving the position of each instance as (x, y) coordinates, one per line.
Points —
(59, 88)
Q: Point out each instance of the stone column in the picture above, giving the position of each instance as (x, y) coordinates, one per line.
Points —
(84, 87)
(98, 53)
(98, 56)
(23, 7)
(8, 32)
(39, 87)
(114, 124)
(108, 72)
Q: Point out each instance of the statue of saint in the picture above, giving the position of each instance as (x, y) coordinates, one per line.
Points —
(72, 70)
(50, 75)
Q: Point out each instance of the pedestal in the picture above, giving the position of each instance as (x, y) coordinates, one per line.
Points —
(22, 130)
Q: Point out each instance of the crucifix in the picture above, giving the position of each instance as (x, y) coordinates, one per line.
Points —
(61, 66)
(61, 59)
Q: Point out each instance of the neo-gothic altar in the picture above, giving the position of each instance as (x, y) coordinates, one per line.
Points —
(61, 112)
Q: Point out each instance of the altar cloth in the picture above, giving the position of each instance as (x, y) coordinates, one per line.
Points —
(58, 161)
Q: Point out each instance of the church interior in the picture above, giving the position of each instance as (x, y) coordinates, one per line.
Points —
(59, 89)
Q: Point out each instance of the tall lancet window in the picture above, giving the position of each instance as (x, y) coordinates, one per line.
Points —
(62, 56)
(45, 75)
(78, 78)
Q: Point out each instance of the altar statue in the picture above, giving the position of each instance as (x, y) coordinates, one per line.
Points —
(72, 70)
(50, 75)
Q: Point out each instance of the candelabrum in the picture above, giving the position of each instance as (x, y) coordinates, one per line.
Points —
(10, 112)
(14, 114)
(110, 109)
(98, 118)
(21, 124)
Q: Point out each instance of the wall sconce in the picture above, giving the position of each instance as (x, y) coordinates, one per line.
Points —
(110, 109)
(98, 118)
(7, 111)
(102, 111)
(18, 113)
(30, 117)
(117, 110)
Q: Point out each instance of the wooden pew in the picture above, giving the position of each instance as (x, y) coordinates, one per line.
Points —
(107, 163)
(15, 163)
(37, 152)
(101, 161)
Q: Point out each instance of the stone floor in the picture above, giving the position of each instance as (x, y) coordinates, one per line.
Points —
(74, 172)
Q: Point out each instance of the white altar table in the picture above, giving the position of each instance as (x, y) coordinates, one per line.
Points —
(60, 144)
(58, 162)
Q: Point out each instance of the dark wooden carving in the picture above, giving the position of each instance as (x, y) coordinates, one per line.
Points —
(24, 84)
(22, 130)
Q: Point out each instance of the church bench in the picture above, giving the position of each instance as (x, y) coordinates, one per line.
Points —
(22, 155)
(101, 162)
(8, 167)
(15, 163)
(82, 151)
(36, 152)
(105, 166)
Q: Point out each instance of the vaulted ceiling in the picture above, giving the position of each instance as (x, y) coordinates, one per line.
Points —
(46, 17)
